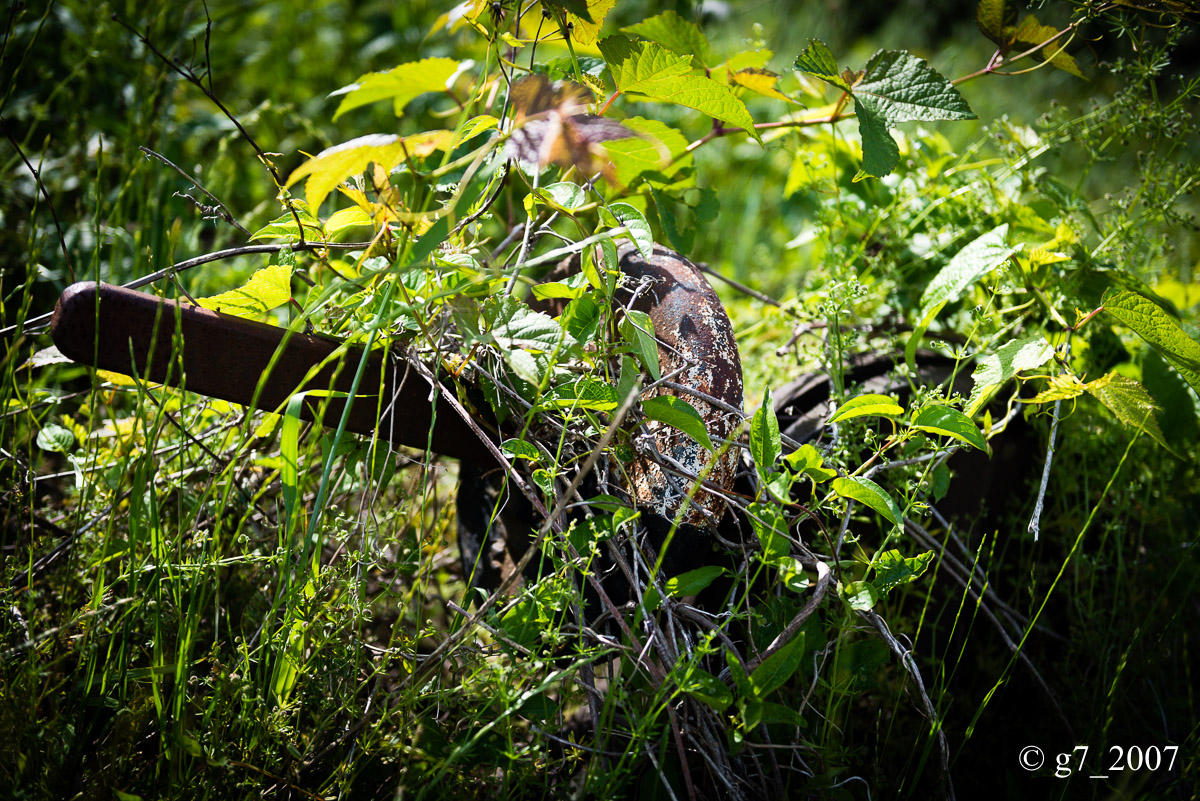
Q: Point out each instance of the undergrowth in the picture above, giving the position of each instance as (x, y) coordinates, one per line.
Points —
(955, 521)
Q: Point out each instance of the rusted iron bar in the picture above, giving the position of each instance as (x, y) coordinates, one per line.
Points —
(255, 364)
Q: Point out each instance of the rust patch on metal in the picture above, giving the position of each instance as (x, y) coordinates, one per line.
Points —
(694, 334)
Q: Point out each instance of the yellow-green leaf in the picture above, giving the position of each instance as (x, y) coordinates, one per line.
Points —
(400, 85)
(759, 81)
(332, 166)
(867, 406)
(266, 289)
(1130, 402)
(867, 492)
(1158, 328)
(650, 69)
(1062, 387)
(676, 34)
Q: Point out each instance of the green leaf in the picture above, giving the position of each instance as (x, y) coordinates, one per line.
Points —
(633, 220)
(706, 688)
(892, 569)
(475, 126)
(1032, 33)
(586, 28)
(1148, 320)
(993, 17)
(1130, 402)
(940, 481)
(817, 59)
(676, 34)
(335, 164)
(951, 423)
(777, 668)
(400, 85)
(861, 595)
(55, 438)
(284, 226)
(520, 449)
(678, 413)
(650, 69)
(563, 196)
(585, 393)
(638, 331)
(870, 494)
(808, 460)
(693, 581)
(880, 152)
(764, 436)
(901, 88)
(343, 219)
(1009, 359)
(266, 289)
(659, 149)
(769, 526)
(977, 259)
(866, 406)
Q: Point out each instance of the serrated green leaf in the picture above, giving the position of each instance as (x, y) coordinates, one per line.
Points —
(53, 437)
(765, 443)
(993, 17)
(659, 149)
(770, 527)
(678, 413)
(777, 668)
(892, 569)
(880, 151)
(585, 28)
(1009, 359)
(951, 423)
(639, 230)
(817, 59)
(676, 34)
(1130, 403)
(333, 165)
(1148, 320)
(867, 406)
(870, 494)
(638, 331)
(400, 84)
(707, 689)
(1063, 386)
(650, 69)
(266, 289)
(902, 88)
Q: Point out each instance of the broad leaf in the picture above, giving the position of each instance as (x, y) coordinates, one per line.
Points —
(777, 668)
(760, 81)
(867, 492)
(1130, 402)
(764, 436)
(639, 230)
(769, 526)
(266, 289)
(475, 126)
(1063, 386)
(649, 69)
(400, 85)
(817, 59)
(1009, 359)
(1154, 325)
(676, 34)
(892, 569)
(901, 87)
(866, 406)
(332, 166)
(807, 460)
(974, 261)
(678, 413)
(638, 331)
(861, 595)
(586, 28)
(706, 688)
(585, 393)
(879, 150)
(951, 423)
(659, 149)
(55, 438)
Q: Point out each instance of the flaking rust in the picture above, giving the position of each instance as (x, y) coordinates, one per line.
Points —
(696, 338)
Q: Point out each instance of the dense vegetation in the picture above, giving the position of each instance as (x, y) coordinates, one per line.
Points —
(963, 243)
